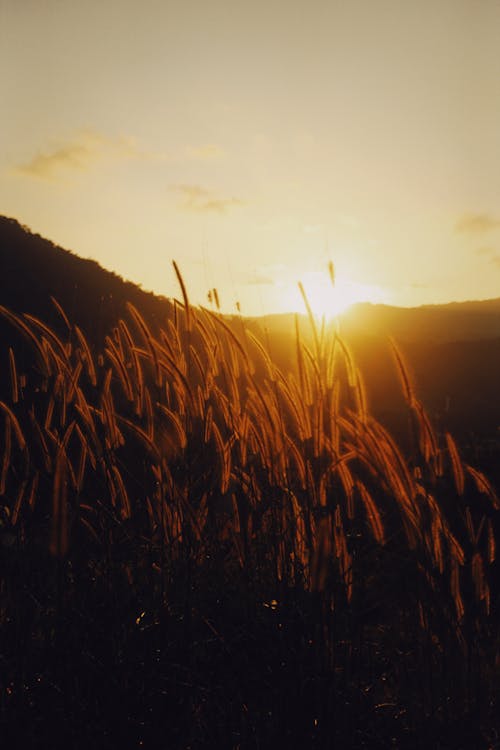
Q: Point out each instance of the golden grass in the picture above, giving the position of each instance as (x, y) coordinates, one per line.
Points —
(227, 449)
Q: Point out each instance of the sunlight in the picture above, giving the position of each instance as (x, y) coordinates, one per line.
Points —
(327, 300)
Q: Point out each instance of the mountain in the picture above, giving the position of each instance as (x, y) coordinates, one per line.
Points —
(456, 321)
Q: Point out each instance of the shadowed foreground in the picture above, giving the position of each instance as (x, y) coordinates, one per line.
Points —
(199, 550)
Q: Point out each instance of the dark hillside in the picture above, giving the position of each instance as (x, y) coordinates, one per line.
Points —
(32, 269)
(457, 321)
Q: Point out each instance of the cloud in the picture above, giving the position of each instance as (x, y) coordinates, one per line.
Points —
(491, 255)
(476, 223)
(80, 153)
(204, 153)
(200, 200)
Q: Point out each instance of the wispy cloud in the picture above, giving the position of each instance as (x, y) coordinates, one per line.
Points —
(207, 152)
(476, 223)
(200, 200)
(491, 255)
(78, 153)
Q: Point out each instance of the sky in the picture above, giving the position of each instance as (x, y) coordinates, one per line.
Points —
(254, 142)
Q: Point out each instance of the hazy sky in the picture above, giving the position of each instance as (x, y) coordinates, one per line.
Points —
(254, 141)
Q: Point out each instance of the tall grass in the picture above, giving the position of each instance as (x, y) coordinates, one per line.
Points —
(185, 454)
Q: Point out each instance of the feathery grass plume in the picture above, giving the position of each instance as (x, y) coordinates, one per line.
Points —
(298, 460)
(318, 427)
(61, 312)
(83, 409)
(21, 441)
(6, 454)
(224, 455)
(216, 298)
(82, 461)
(334, 427)
(196, 359)
(38, 434)
(116, 359)
(151, 447)
(299, 353)
(13, 377)
(456, 550)
(149, 414)
(33, 491)
(242, 437)
(331, 379)
(173, 343)
(314, 367)
(291, 407)
(174, 421)
(491, 544)
(402, 369)
(179, 378)
(208, 424)
(125, 334)
(347, 485)
(481, 586)
(360, 395)
(372, 512)
(427, 438)
(58, 347)
(113, 437)
(458, 472)
(18, 323)
(456, 590)
(125, 509)
(483, 485)
(86, 355)
(312, 321)
(187, 306)
(148, 340)
(232, 337)
(71, 388)
(347, 378)
(18, 501)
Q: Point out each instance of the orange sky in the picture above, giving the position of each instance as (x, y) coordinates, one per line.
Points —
(254, 142)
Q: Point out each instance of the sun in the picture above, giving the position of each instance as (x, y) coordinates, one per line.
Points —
(330, 300)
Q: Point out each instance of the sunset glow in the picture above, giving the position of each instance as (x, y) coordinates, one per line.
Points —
(330, 300)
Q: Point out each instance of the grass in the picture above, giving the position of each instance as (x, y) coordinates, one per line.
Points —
(199, 547)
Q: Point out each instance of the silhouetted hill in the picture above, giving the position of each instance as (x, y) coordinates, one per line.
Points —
(32, 269)
(456, 321)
